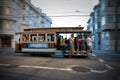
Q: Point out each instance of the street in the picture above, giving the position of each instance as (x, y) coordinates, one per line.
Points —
(26, 67)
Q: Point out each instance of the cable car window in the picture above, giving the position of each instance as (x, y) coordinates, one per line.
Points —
(41, 37)
(25, 37)
(50, 37)
(33, 37)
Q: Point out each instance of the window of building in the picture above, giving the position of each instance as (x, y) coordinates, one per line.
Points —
(119, 37)
(1, 10)
(106, 35)
(7, 10)
(24, 6)
(102, 35)
(110, 19)
(7, 25)
(1, 1)
(35, 23)
(96, 26)
(111, 3)
(99, 38)
(42, 22)
(23, 17)
(118, 3)
(99, 24)
(35, 15)
(112, 35)
(6, 41)
(103, 20)
(118, 19)
(31, 12)
(102, 5)
(1, 24)
(14, 0)
(27, 8)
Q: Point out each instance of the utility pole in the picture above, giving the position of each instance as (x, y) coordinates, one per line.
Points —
(116, 24)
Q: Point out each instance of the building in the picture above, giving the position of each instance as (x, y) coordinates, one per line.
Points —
(97, 28)
(35, 17)
(106, 25)
(15, 15)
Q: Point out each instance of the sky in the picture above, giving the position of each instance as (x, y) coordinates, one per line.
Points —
(67, 13)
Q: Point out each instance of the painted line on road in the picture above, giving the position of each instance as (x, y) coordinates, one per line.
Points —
(61, 69)
(51, 68)
(39, 67)
(54, 68)
(93, 55)
(101, 60)
(96, 71)
(109, 67)
(5, 64)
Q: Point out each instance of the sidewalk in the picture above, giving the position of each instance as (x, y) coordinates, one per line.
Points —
(107, 55)
(8, 51)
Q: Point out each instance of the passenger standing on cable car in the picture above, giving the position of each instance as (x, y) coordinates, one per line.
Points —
(72, 44)
(67, 44)
(75, 43)
(78, 44)
(83, 44)
(89, 43)
(62, 44)
(58, 42)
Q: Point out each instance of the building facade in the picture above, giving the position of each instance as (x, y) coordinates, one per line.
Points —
(15, 15)
(106, 26)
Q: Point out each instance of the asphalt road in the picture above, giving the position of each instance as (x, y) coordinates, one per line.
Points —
(26, 67)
